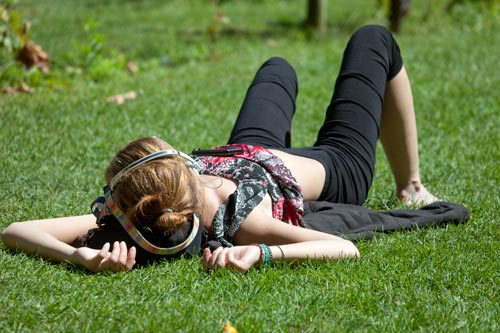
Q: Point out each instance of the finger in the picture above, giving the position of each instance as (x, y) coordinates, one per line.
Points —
(104, 250)
(115, 253)
(131, 258)
(214, 256)
(206, 257)
(99, 260)
(122, 256)
(222, 257)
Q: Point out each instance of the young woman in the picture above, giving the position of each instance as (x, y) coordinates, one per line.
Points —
(160, 203)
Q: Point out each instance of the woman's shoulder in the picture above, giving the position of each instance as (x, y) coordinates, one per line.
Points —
(215, 191)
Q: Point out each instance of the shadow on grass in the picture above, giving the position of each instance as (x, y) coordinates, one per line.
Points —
(277, 29)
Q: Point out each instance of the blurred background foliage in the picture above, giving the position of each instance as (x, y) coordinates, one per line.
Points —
(105, 36)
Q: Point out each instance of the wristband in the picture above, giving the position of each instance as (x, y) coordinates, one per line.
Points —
(282, 253)
(266, 256)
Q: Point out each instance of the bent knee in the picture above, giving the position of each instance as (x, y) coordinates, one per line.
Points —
(284, 67)
(276, 60)
(372, 31)
(279, 69)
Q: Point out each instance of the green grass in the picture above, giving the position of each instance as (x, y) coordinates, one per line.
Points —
(55, 143)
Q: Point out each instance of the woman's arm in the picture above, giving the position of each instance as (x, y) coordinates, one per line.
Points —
(296, 244)
(49, 238)
(245, 256)
(54, 239)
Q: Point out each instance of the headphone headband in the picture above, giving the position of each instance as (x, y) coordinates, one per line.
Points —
(156, 155)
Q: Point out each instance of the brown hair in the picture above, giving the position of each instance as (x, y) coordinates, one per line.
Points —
(161, 194)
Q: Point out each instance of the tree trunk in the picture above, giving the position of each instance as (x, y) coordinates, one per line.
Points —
(316, 14)
(398, 10)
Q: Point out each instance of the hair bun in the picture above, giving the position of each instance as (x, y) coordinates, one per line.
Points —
(170, 221)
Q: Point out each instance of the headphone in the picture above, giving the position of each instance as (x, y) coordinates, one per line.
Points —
(129, 227)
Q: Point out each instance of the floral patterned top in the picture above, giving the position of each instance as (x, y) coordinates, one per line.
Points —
(258, 172)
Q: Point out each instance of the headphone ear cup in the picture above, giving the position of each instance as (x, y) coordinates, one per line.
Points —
(97, 237)
(110, 231)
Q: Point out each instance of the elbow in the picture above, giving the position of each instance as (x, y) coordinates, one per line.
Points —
(351, 251)
(9, 235)
(356, 254)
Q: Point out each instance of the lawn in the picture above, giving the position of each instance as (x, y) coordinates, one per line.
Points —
(56, 142)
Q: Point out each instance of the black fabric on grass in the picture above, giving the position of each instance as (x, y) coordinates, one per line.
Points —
(357, 223)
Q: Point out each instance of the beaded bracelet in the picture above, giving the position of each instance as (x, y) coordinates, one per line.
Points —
(266, 256)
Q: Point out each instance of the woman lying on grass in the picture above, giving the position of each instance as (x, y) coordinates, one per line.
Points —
(160, 203)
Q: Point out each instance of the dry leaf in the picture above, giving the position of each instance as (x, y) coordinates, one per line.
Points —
(33, 55)
(132, 67)
(272, 42)
(73, 70)
(22, 88)
(228, 328)
(121, 98)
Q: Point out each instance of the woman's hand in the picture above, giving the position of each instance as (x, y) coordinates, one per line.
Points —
(119, 259)
(239, 257)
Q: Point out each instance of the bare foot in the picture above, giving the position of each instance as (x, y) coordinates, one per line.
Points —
(416, 194)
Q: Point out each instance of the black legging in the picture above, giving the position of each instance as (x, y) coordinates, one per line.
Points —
(347, 140)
